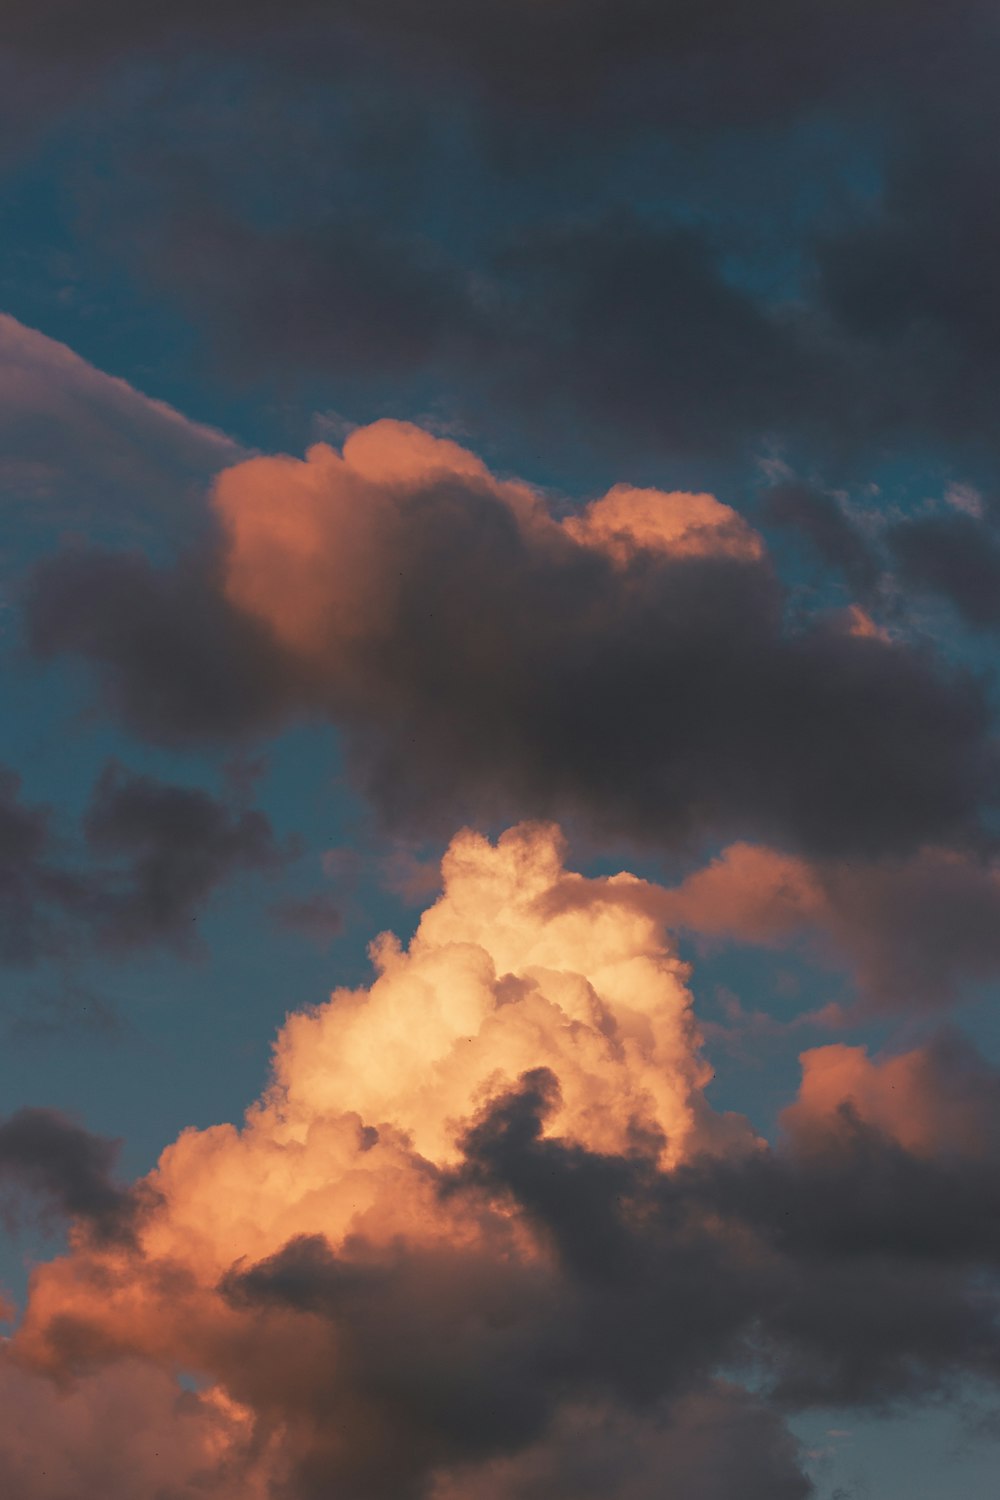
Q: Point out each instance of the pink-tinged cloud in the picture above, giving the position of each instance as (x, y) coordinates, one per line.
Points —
(627, 522)
(915, 933)
(122, 1432)
(631, 666)
(938, 1100)
(316, 548)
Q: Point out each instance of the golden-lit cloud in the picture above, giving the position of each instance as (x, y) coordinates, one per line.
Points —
(483, 1220)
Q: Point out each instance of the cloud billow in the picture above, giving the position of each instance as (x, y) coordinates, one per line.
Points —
(629, 666)
(520, 1234)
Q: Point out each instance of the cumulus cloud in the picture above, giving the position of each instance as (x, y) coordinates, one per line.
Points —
(629, 665)
(483, 1234)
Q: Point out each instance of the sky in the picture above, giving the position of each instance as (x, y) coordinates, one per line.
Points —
(500, 774)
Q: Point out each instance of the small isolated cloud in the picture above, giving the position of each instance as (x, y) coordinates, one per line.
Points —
(316, 916)
(156, 854)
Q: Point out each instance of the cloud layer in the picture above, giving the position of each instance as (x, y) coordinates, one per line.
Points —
(80, 446)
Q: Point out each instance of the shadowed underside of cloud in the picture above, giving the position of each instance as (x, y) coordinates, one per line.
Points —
(628, 665)
(509, 1255)
(67, 1170)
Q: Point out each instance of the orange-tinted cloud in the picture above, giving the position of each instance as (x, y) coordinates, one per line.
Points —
(915, 932)
(243, 1237)
(938, 1100)
(484, 1205)
(631, 667)
(122, 1432)
(313, 547)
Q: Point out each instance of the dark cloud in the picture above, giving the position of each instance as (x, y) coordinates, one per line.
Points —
(918, 933)
(635, 328)
(859, 1282)
(911, 279)
(29, 881)
(825, 527)
(157, 854)
(176, 845)
(713, 1443)
(45, 1154)
(717, 66)
(352, 297)
(177, 660)
(622, 326)
(956, 556)
(577, 307)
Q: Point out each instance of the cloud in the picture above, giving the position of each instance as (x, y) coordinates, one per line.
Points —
(30, 884)
(316, 916)
(77, 443)
(179, 662)
(712, 1443)
(628, 666)
(826, 528)
(483, 1228)
(156, 854)
(44, 1153)
(916, 932)
(125, 1431)
(594, 315)
(956, 556)
(604, 328)
(178, 846)
(716, 69)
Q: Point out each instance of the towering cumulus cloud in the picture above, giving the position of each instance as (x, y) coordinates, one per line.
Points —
(483, 1236)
